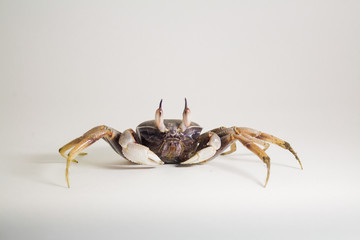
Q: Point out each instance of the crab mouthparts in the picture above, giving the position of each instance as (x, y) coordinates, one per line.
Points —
(171, 149)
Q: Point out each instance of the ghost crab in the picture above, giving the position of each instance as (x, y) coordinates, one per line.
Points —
(174, 141)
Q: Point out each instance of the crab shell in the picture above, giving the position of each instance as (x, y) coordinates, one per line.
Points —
(172, 146)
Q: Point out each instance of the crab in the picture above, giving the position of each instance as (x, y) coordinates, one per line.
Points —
(174, 141)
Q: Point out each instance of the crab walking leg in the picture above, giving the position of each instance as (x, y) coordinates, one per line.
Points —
(281, 143)
(253, 139)
(73, 153)
(268, 138)
(257, 141)
(206, 153)
(232, 149)
(69, 146)
(258, 151)
(91, 136)
(136, 152)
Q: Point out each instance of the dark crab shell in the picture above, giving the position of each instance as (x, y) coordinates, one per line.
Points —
(173, 145)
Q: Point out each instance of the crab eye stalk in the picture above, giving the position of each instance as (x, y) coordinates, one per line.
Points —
(159, 119)
(186, 117)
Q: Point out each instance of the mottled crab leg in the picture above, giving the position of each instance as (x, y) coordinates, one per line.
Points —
(258, 141)
(232, 149)
(257, 150)
(268, 138)
(250, 138)
(255, 140)
(77, 145)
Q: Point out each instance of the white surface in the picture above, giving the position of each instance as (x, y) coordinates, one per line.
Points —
(290, 69)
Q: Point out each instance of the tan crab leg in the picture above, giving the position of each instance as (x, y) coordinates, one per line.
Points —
(91, 136)
(258, 141)
(69, 146)
(253, 139)
(73, 153)
(95, 133)
(281, 143)
(268, 138)
(258, 151)
(232, 149)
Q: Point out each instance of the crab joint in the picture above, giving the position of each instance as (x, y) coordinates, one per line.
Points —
(214, 141)
(186, 117)
(159, 119)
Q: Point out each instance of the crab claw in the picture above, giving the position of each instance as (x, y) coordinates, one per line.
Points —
(135, 152)
(140, 154)
(206, 153)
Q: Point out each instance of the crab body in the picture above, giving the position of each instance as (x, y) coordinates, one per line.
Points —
(172, 146)
(174, 141)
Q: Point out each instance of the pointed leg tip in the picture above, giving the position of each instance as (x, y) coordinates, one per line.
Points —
(301, 166)
(297, 158)
(67, 177)
(266, 182)
(268, 174)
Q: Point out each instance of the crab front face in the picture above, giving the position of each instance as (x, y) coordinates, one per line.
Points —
(172, 140)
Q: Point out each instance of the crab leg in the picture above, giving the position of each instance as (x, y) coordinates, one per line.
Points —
(258, 141)
(77, 145)
(69, 146)
(255, 140)
(73, 153)
(232, 149)
(258, 151)
(249, 138)
(268, 138)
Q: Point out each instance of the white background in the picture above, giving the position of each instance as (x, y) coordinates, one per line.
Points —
(289, 68)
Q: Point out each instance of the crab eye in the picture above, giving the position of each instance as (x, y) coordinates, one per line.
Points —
(159, 119)
(186, 117)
